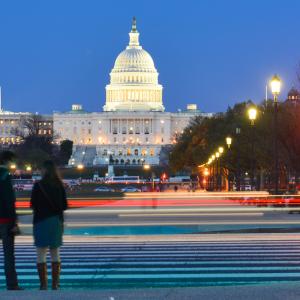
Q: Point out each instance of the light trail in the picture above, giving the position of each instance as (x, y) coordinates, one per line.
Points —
(176, 210)
(253, 214)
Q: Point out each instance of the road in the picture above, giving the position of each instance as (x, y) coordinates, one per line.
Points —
(178, 213)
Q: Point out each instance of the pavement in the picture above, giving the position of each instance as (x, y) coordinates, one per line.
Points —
(286, 291)
(147, 264)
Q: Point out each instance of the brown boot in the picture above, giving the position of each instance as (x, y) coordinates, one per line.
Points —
(42, 270)
(55, 275)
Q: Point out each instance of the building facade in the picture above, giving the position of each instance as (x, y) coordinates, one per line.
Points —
(14, 126)
(133, 126)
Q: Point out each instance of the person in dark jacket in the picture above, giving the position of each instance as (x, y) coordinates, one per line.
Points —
(48, 201)
(8, 220)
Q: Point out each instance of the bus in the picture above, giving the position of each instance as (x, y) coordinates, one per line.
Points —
(180, 179)
(123, 179)
(23, 184)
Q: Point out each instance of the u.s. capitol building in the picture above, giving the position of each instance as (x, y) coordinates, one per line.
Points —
(133, 126)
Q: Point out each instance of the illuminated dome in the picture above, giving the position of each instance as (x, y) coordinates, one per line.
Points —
(134, 80)
(133, 60)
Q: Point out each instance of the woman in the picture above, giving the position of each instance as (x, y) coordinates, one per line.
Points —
(48, 201)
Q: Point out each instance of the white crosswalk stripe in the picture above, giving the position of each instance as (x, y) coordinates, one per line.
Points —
(155, 264)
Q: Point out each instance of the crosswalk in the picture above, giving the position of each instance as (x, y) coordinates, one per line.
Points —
(165, 264)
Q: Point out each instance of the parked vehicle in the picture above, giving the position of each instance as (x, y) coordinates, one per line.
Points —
(104, 189)
(130, 189)
(123, 179)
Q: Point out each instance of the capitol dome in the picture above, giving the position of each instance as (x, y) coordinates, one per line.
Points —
(134, 80)
(133, 59)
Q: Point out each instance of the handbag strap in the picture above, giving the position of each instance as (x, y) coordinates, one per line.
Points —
(47, 197)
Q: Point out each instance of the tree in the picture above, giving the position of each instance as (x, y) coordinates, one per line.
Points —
(65, 152)
(34, 149)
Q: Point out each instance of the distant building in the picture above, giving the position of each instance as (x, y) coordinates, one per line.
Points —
(44, 125)
(14, 126)
(133, 126)
(293, 96)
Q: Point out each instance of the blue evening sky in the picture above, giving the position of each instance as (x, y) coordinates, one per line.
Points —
(210, 52)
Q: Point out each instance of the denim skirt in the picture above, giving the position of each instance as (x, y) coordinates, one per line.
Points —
(48, 232)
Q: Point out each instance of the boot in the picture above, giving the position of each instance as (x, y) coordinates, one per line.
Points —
(55, 275)
(42, 270)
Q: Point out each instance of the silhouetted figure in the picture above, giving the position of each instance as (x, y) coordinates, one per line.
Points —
(8, 220)
(48, 201)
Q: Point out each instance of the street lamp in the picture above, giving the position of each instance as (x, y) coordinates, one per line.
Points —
(13, 166)
(80, 168)
(147, 167)
(228, 141)
(275, 88)
(28, 168)
(252, 113)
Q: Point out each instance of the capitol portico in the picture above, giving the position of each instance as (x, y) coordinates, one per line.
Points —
(133, 126)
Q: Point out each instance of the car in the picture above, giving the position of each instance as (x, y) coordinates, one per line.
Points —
(130, 189)
(104, 189)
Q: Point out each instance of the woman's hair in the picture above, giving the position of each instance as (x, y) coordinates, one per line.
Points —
(51, 175)
(6, 156)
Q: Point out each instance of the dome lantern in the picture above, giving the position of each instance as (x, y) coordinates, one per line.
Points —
(134, 36)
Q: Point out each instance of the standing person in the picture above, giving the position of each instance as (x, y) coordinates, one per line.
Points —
(8, 220)
(48, 201)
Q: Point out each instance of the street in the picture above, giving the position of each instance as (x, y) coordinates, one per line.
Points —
(192, 212)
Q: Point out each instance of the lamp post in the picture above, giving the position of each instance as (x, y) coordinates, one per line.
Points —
(148, 168)
(275, 88)
(252, 113)
(228, 140)
(220, 150)
(213, 157)
(218, 166)
(209, 174)
(238, 168)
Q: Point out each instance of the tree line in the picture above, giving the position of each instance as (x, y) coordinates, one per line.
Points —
(204, 135)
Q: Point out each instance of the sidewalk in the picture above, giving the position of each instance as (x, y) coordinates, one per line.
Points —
(289, 291)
